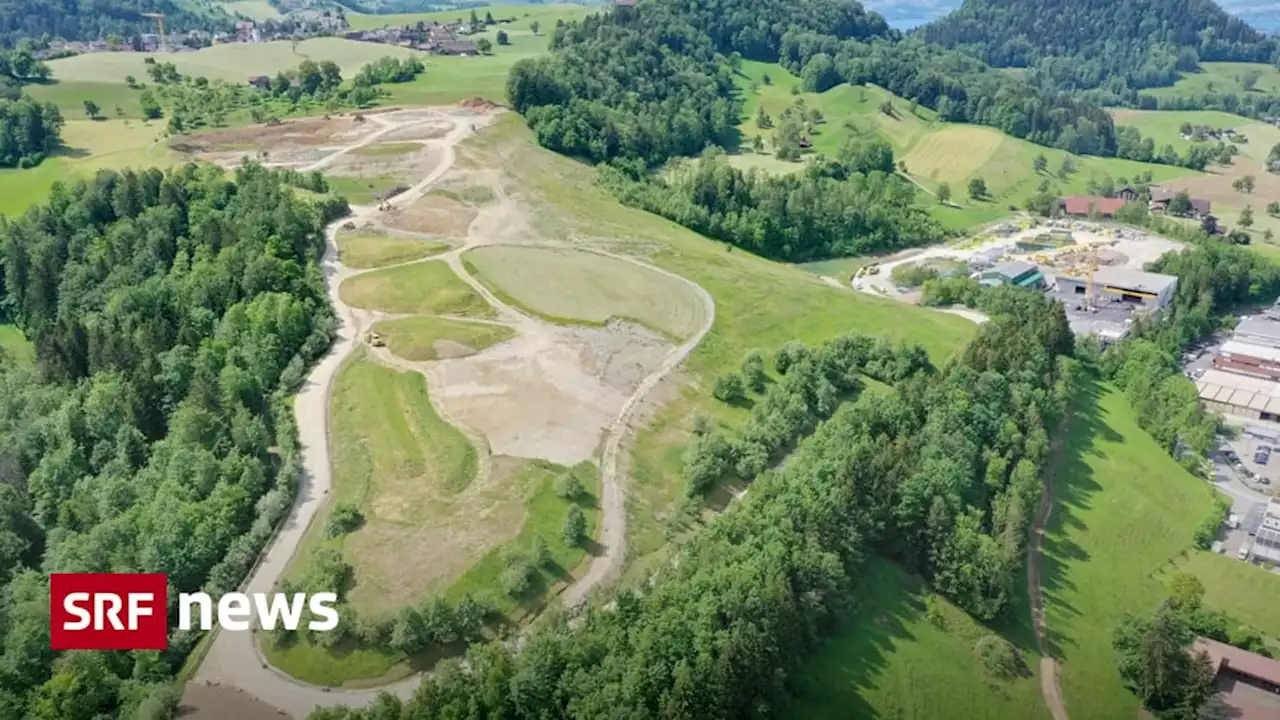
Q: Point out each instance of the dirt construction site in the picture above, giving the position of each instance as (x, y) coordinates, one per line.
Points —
(1066, 247)
(563, 380)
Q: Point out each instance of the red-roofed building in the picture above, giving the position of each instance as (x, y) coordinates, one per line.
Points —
(1249, 683)
(1084, 205)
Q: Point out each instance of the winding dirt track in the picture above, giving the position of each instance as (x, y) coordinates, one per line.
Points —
(234, 658)
(1050, 688)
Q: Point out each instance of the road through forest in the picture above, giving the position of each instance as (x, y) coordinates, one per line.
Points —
(234, 659)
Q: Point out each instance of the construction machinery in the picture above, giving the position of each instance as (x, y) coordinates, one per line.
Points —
(375, 339)
(164, 43)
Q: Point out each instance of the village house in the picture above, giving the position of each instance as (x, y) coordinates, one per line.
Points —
(1161, 197)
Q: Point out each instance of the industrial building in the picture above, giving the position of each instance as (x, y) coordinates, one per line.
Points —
(1150, 291)
(1266, 543)
(1020, 274)
(1239, 395)
(1248, 683)
(1258, 361)
(1261, 331)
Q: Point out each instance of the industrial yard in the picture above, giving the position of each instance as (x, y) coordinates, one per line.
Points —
(1096, 270)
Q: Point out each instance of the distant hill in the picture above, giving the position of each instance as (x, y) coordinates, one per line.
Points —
(1123, 46)
(905, 14)
(96, 19)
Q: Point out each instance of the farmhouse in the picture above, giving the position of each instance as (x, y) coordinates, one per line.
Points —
(1258, 331)
(1161, 197)
(1127, 193)
(1020, 274)
(1239, 395)
(1150, 291)
(1086, 205)
(1249, 683)
(457, 47)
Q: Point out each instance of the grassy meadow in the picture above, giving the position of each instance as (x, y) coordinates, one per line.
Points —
(14, 345)
(1245, 592)
(425, 288)
(416, 338)
(579, 286)
(1124, 513)
(935, 152)
(371, 250)
(890, 660)
(1222, 77)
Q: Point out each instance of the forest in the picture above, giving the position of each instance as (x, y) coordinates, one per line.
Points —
(1120, 47)
(96, 19)
(832, 208)
(172, 315)
(943, 474)
(29, 131)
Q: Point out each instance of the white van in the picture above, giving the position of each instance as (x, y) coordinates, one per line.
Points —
(1244, 552)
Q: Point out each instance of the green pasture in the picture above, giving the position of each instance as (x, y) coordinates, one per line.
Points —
(429, 338)
(1222, 78)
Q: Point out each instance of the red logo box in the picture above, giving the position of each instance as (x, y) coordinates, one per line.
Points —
(108, 611)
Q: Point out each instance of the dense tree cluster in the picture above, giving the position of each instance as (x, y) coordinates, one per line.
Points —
(1121, 47)
(389, 70)
(28, 131)
(943, 473)
(827, 210)
(171, 314)
(97, 19)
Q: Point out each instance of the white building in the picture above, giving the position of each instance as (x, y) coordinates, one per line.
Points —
(1239, 395)
(1266, 544)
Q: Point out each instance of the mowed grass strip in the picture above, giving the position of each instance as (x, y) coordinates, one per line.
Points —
(431, 338)
(954, 153)
(1124, 511)
(425, 288)
(373, 250)
(575, 285)
(890, 661)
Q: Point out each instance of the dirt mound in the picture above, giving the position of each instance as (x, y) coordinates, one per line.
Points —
(480, 104)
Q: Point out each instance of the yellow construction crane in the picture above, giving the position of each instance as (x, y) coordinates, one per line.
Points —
(1093, 268)
(164, 44)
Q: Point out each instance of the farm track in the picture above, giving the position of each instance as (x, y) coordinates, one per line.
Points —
(227, 662)
(1050, 687)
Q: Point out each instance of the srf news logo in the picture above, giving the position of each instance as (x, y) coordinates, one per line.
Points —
(121, 611)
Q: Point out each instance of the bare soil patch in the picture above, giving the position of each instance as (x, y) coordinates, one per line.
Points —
(548, 394)
(396, 162)
(216, 702)
(434, 215)
(425, 131)
(306, 132)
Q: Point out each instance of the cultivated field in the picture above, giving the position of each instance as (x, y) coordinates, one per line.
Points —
(578, 286)
(1215, 184)
(1123, 512)
(425, 338)
(90, 146)
(1221, 77)
(234, 62)
(425, 288)
(889, 661)
(364, 249)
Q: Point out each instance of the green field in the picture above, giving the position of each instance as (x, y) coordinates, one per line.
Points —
(842, 269)
(934, 151)
(1221, 77)
(89, 147)
(889, 661)
(1124, 512)
(255, 9)
(116, 99)
(547, 15)
(578, 286)
(759, 304)
(234, 62)
(425, 288)
(417, 338)
(371, 250)
(1244, 591)
(14, 345)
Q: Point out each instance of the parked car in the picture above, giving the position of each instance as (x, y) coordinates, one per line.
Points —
(1233, 521)
(1262, 456)
(1243, 553)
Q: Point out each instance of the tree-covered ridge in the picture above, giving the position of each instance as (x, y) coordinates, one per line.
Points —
(830, 209)
(170, 314)
(1080, 44)
(943, 473)
(96, 19)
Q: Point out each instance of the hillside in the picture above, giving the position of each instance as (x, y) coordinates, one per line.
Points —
(1100, 43)
(96, 19)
